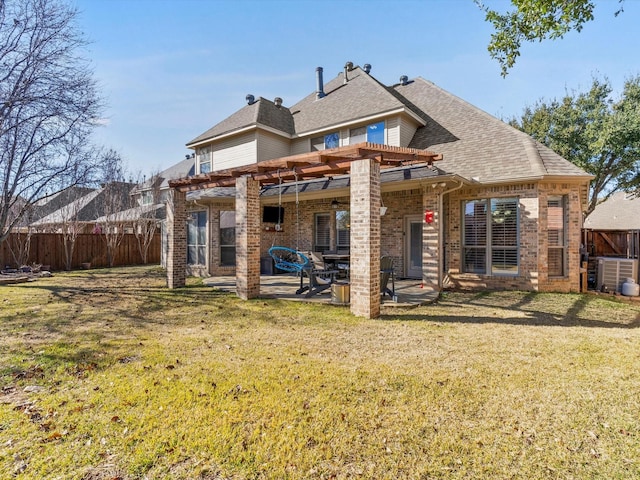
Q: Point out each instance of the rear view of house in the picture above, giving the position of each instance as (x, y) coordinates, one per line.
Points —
(466, 199)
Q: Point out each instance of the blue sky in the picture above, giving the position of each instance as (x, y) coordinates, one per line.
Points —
(171, 69)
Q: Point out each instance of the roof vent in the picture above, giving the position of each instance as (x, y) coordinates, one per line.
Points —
(404, 80)
(367, 68)
(278, 102)
(319, 84)
(250, 99)
(347, 68)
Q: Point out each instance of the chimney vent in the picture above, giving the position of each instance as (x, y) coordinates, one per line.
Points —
(319, 84)
(366, 68)
(278, 102)
(250, 99)
(347, 68)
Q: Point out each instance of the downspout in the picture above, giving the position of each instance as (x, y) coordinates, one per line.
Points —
(441, 231)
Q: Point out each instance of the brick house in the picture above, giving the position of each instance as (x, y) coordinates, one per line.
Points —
(470, 201)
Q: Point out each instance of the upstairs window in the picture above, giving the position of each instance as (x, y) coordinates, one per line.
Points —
(204, 159)
(330, 140)
(146, 197)
(373, 133)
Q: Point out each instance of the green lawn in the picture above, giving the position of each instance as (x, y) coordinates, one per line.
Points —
(135, 381)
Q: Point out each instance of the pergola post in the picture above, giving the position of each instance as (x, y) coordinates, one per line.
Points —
(365, 238)
(177, 239)
(247, 237)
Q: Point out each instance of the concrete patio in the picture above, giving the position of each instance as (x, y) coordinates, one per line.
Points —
(409, 292)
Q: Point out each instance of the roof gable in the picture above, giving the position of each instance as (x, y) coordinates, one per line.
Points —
(360, 97)
(261, 112)
(476, 144)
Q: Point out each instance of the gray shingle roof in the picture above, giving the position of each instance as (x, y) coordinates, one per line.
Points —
(620, 212)
(360, 97)
(476, 144)
(261, 112)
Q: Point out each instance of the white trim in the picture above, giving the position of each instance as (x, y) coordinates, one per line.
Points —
(363, 120)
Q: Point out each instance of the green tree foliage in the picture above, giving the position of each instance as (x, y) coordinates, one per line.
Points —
(533, 20)
(593, 130)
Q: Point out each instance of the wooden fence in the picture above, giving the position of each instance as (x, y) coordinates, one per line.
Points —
(612, 243)
(47, 249)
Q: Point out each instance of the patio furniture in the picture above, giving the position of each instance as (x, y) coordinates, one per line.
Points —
(386, 272)
(320, 275)
(291, 260)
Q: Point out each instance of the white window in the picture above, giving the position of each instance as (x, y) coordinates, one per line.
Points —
(373, 133)
(491, 236)
(204, 159)
(556, 228)
(146, 197)
(330, 140)
(197, 238)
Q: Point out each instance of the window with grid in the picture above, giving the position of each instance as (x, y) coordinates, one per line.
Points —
(197, 238)
(556, 227)
(490, 236)
(322, 234)
(475, 237)
(504, 235)
(330, 140)
(204, 159)
(227, 238)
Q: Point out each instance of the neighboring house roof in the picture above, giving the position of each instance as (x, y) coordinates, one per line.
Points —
(185, 168)
(86, 208)
(261, 112)
(157, 211)
(621, 211)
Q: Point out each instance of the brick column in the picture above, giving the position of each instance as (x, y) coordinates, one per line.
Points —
(365, 238)
(176, 239)
(247, 238)
(431, 243)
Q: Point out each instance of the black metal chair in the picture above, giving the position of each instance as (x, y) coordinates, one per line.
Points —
(386, 273)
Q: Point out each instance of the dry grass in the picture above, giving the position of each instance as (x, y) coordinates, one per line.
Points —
(142, 382)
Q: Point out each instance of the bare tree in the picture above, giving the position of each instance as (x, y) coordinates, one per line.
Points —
(48, 104)
(116, 201)
(19, 242)
(146, 200)
(70, 227)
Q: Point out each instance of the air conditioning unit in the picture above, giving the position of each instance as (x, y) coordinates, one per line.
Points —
(613, 272)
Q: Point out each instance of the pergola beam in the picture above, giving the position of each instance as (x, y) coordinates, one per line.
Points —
(309, 165)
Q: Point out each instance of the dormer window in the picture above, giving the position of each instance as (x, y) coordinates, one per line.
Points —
(330, 140)
(373, 133)
(204, 160)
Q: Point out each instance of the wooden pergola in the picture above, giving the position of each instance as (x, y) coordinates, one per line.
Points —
(306, 166)
(362, 161)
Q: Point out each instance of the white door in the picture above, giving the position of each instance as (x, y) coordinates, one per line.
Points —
(413, 247)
